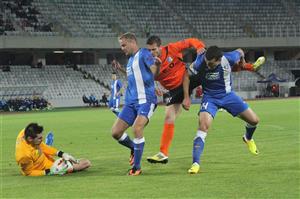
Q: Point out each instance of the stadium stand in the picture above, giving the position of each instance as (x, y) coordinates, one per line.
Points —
(204, 19)
(23, 18)
(101, 73)
(59, 81)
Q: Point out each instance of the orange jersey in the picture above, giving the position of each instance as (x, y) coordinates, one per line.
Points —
(173, 68)
(33, 161)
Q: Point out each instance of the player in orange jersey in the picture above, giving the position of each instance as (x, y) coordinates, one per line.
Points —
(35, 158)
(173, 76)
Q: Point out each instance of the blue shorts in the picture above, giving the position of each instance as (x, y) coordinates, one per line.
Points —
(131, 111)
(114, 103)
(231, 102)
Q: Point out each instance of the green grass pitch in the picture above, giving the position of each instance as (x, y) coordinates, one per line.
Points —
(228, 170)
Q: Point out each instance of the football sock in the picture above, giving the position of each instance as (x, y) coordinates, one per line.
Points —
(138, 151)
(248, 67)
(166, 138)
(126, 141)
(249, 131)
(198, 146)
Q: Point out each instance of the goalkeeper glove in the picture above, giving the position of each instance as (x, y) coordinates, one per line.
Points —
(58, 168)
(66, 156)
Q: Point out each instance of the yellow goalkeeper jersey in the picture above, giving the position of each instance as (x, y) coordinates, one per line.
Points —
(33, 161)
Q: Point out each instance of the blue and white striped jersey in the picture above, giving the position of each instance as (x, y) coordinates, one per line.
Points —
(116, 86)
(217, 81)
(140, 87)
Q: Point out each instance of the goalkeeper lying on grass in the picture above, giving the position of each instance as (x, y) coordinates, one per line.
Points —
(35, 158)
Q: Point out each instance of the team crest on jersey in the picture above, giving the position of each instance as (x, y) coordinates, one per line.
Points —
(169, 59)
(212, 76)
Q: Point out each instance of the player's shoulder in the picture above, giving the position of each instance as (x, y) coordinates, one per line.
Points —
(23, 151)
(144, 51)
(230, 54)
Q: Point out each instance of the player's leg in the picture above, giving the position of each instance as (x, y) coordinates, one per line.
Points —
(171, 113)
(81, 165)
(124, 120)
(237, 107)
(253, 67)
(207, 112)
(145, 111)
(114, 108)
(117, 104)
(251, 120)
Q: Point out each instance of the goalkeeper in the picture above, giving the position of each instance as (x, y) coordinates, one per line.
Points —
(35, 158)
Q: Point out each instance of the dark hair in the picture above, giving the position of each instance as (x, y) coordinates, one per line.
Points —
(128, 36)
(32, 130)
(213, 52)
(154, 40)
(113, 73)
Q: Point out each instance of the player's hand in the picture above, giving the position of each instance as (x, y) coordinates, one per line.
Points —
(186, 103)
(68, 157)
(158, 92)
(200, 51)
(58, 168)
(116, 64)
(157, 61)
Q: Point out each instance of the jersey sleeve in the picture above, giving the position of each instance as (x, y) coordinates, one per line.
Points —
(48, 150)
(198, 62)
(147, 57)
(26, 164)
(188, 43)
(233, 57)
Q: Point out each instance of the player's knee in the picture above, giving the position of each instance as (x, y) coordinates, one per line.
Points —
(254, 121)
(115, 133)
(204, 127)
(86, 163)
(138, 130)
(169, 118)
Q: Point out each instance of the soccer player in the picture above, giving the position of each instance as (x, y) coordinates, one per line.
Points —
(115, 96)
(171, 77)
(215, 67)
(140, 98)
(35, 158)
(174, 77)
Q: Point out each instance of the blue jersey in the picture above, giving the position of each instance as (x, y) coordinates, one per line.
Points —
(140, 79)
(116, 86)
(217, 81)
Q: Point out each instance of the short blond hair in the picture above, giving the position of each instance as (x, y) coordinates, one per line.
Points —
(128, 36)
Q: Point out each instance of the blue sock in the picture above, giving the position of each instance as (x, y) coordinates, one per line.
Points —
(126, 141)
(138, 151)
(249, 131)
(198, 146)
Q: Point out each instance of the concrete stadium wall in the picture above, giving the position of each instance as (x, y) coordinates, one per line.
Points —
(59, 42)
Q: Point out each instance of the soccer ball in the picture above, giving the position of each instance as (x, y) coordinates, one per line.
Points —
(62, 167)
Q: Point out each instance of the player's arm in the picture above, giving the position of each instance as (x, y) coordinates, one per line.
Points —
(158, 90)
(235, 58)
(51, 151)
(189, 43)
(118, 66)
(153, 63)
(186, 103)
(156, 67)
(26, 164)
